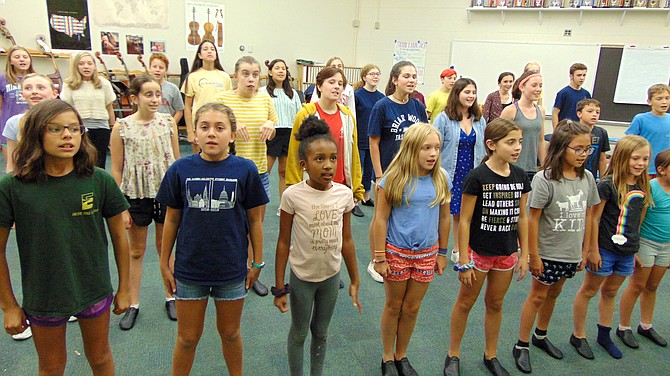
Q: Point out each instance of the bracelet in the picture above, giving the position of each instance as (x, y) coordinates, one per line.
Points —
(258, 266)
(464, 268)
(380, 252)
(280, 292)
(442, 251)
(375, 261)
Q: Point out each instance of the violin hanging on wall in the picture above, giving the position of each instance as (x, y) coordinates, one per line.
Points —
(193, 38)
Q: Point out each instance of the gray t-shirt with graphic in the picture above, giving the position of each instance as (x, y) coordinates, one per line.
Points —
(563, 218)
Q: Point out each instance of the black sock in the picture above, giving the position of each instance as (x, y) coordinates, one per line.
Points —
(540, 332)
(521, 343)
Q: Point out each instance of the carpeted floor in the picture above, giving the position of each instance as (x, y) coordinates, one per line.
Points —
(354, 346)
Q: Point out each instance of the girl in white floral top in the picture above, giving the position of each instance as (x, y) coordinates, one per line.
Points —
(144, 145)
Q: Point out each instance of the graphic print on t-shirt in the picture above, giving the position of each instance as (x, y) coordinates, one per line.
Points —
(400, 120)
(500, 206)
(620, 237)
(572, 213)
(325, 227)
(211, 194)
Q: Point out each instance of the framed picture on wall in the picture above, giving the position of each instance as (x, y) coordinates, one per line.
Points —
(69, 28)
(204, 21)
(158, 46)
(135, 44)
(109, 41)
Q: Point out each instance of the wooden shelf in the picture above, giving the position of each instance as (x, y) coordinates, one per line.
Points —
(579, 11)
(37, 54)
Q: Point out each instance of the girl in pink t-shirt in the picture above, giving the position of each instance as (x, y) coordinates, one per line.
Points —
(314, 235)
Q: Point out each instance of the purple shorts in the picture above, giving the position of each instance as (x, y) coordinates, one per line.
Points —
(96, 310)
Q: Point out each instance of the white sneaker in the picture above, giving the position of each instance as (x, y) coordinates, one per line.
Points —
(72, 319)
(454, 257)
(373, 273)
(23, 336)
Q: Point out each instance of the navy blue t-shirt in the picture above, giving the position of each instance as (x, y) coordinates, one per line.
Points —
(600, 143)
(389, 121)
(365, 100)
(566, 102)
(214, 197)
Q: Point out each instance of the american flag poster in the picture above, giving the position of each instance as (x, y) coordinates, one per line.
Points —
(69, 24)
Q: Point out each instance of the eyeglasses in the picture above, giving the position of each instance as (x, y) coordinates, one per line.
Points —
(375, 74)
(57, 129)
(580, 151)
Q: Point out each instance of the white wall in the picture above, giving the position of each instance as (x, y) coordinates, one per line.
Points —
(319, 29)
(439, 22)
(287, 29)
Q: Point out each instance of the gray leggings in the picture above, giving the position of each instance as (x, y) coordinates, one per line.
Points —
(312, 306)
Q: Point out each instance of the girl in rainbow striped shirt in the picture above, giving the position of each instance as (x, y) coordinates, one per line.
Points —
(625, 194)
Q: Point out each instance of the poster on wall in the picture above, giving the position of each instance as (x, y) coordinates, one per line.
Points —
(204, 21)
(158, 46)
(145, 14)
(68, 24)
(414, 52)
(135, 44)
(109, 41)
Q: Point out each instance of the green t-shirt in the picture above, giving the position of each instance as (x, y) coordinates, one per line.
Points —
(61, 239)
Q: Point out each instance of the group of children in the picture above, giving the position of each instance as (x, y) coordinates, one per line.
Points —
(508, 216)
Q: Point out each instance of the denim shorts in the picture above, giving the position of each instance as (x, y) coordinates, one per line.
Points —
(653, 253)
(231, 290)
(265, 179)
(613, 263)
(91, 312)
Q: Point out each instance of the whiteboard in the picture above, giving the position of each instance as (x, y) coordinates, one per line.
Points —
(641, 67)
(483, 61)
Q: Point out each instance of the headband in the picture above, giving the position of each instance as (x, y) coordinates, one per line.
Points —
(528, 78)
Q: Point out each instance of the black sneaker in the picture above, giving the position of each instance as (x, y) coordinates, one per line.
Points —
(548, 347)
(128, 320)
(404, 368)
(652, 335)
(494, 366)
(259, 288)
(627, 338)
(452, 366)
(389, 368)
(522, 359)
(582, 347)
(171, 309)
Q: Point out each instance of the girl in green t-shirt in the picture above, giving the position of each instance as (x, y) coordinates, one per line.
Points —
(58, 200)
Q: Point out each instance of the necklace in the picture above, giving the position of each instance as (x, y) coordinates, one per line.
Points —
(400, 100)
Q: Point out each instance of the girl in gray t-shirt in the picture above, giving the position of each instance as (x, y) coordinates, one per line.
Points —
(559, 231)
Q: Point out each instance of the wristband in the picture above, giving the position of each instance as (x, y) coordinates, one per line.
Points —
(378, 261)
(258, 266)
(281, 292)
(380, 252)
(464, 268)
(442, 251)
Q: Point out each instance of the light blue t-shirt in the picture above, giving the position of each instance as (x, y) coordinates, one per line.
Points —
(11, 130)
(655, 129)
(415, 226)
(655, 225)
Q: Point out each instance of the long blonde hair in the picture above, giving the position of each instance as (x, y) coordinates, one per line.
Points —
(403, 171)
(75, 80)
(10, 74)
(618, 169)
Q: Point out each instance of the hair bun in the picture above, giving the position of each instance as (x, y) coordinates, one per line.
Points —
(312, 126)
(267, 63)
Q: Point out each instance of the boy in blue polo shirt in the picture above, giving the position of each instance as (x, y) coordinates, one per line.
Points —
(655, 124)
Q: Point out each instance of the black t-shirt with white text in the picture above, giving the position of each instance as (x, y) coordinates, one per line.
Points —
(493, 229)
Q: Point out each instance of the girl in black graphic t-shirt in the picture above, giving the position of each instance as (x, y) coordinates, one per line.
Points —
(624, 195)
(493, 224)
